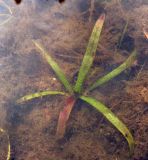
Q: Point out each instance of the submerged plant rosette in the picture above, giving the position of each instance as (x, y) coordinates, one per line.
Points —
(76, 91)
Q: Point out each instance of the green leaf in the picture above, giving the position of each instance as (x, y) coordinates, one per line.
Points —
(123, 33)
(39, 94)
(55, 67)
(128, 63)
(9, 147)
(89, 54)
(112, 118)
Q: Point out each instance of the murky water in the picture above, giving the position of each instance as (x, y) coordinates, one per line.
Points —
(64, 30)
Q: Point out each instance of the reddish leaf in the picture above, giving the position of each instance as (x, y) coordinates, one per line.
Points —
(64, 116)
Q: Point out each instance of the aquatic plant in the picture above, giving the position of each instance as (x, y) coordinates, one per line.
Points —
(77, 91)
(9, 148)
(6, 16)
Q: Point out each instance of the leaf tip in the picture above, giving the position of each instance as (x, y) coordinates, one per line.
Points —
(102, 17)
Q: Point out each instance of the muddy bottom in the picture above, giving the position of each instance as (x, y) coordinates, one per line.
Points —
(64, 29)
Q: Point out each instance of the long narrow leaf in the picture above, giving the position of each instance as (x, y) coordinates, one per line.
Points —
(115, 72)
(89, 54)
(54, 66)
(3, 3)
(8, 16)
(123, 33)
(9, 147)
(64, 116)
(5, 21)
(39, 94)
(111, 117)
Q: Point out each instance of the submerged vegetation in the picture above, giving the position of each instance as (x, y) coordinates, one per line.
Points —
(9, 148)
(5, 16)
(77, 91)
